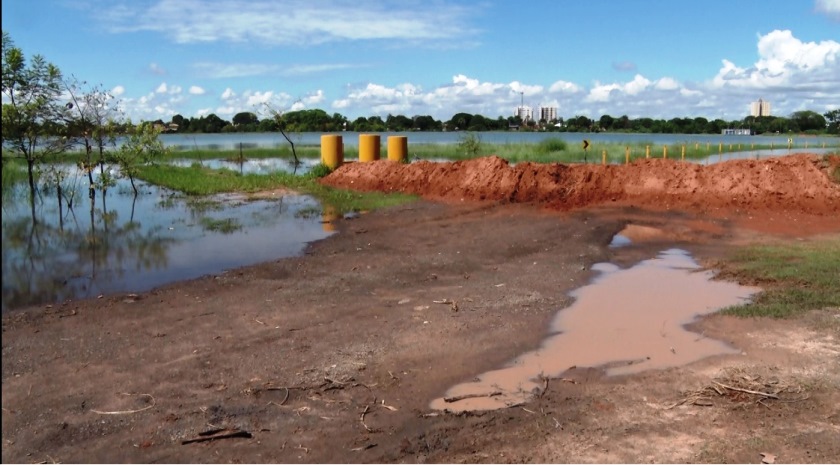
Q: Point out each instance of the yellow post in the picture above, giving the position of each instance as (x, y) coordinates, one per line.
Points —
(720, 147)
(604, 157)
(806, 144)
(368, 147)
(398, 148)
(752, 146)
(696, 145)
(626, 155)
(707, 146)
(739, 147)
(647, 151)
(730, 147)
(823, 144)
(664, 152)
(682, 155)
(332, 150)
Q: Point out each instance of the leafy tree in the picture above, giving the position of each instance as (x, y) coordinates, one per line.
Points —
(833, 118)
(245, 118)
(92, 116)
(141, 146)
(30, 108)
(808, 121)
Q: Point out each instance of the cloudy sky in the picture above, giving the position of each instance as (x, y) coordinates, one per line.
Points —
(641, 58)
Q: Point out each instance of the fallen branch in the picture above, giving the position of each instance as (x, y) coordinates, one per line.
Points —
(470, 396)
(362, 418)
(748, 391)
(215, 434)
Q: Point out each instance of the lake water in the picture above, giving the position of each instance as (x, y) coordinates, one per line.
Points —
(351, 139)
(128, 244)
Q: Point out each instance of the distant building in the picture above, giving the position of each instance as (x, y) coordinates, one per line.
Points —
(737, 132)
(548, 114)
(524, 113)
(760, 108)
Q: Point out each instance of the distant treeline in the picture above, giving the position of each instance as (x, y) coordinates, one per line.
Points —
(317, 120)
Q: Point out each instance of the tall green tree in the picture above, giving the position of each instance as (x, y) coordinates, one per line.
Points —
(30, 108)
(833, 118)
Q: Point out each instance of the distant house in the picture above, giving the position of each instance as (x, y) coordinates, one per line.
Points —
(737, 132)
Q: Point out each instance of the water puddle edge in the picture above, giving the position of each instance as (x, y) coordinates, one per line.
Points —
(625, 321)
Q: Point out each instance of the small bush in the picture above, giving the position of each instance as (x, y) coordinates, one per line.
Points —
(320, 170)
(551, 145)
(469, 144)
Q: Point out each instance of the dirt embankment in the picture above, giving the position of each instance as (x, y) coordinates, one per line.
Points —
(798, 182)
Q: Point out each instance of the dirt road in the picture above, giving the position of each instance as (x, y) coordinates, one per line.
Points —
(335, 356)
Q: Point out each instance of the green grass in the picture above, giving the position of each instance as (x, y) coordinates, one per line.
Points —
(199, 180)
(223, 225)
(796, 278)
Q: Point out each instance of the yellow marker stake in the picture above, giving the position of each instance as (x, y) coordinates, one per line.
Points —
(604, 157)
(664, 152)
(626, 155)
(682, 155)
(720, 147)
(647, 151)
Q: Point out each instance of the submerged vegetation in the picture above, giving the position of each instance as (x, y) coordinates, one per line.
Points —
(796, 278)
(200, 180)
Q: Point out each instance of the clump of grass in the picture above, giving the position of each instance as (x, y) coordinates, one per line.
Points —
(223, 225)
(550, 145)
(319, 171)
(796, 278)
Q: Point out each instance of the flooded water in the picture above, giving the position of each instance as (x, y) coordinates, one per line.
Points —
(123, 243)
(254, 166)
(625, 321)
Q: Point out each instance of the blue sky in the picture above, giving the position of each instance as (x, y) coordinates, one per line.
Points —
(641, 58)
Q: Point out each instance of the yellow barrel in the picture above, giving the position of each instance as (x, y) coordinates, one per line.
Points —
(397, 148)
(368, 147)
(332, 150)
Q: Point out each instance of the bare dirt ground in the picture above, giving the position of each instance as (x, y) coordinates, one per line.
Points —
(336, 355)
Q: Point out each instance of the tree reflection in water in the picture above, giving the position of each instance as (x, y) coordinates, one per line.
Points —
(72, 245)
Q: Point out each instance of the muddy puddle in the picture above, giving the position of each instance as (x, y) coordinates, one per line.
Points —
(625, 321)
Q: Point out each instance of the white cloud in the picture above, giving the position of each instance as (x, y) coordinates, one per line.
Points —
(156, 69)
(117, 91)
(196, 90)
(564, 86)
(830, 8)
(785, 62)
(296, 22)
(228, 94)
(162, 88)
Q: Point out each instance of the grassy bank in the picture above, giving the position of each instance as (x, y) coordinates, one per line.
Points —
(796, 277)
(199, 180)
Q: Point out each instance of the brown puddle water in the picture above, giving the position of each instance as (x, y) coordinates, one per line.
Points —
(626, 321)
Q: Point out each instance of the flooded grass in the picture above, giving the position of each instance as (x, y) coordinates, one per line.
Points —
(222, 225)
(797, 278)
(199, 180)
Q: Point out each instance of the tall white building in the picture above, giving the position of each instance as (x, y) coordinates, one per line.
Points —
(548, 113)
(760, 108)
(524, 113)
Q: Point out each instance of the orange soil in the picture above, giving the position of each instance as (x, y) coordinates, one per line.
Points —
(780, 194)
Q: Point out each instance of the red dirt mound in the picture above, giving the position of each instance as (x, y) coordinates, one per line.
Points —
(791, 183)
